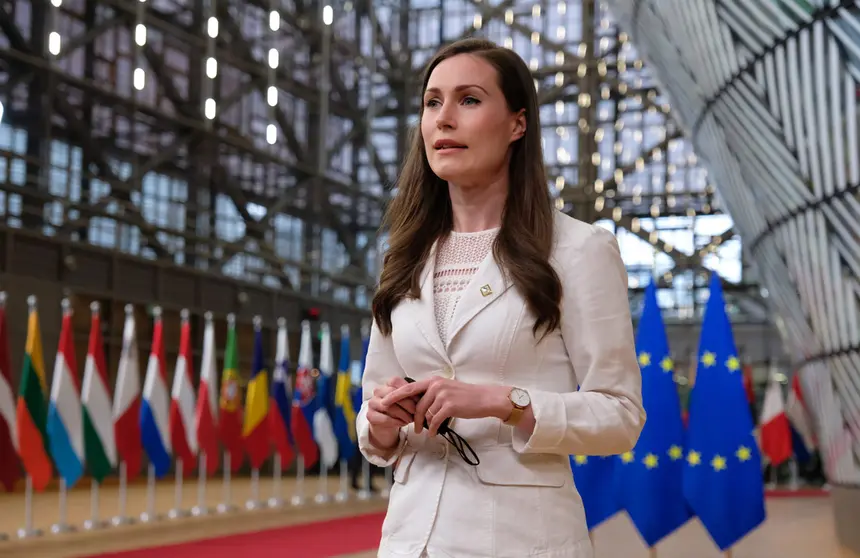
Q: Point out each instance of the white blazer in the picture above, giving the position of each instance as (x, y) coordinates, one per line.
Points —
(520, 500)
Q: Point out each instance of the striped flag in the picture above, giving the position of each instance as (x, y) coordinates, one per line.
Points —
(99, 440)
(32, 408)
(65, 422)
(323, 428)
(279, 399)
(255, 429)
(206, 413)
(183, 436)
(155, 408)
(302, 413)
(126, 400)
(230, 403)
(10, 469)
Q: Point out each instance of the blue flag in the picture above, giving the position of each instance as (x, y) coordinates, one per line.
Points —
(344, 413)
(723, 480)
(595, 480)
(650, 477)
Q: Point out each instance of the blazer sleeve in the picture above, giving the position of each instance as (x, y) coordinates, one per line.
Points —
(606, 416)
(381, 364)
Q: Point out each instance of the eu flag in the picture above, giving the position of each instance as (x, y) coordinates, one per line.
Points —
(650, 476)
(595, 479)
(723, 480)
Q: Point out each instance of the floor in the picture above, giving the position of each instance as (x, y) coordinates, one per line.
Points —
(796, 527)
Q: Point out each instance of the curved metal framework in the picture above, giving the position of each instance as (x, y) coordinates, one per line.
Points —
(767, 91)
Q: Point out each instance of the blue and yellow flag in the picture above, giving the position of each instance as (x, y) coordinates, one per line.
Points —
(650, 477)
(344, 413)
(595, 478)
(723, 480)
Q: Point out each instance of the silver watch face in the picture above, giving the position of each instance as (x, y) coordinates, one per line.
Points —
(520, 397)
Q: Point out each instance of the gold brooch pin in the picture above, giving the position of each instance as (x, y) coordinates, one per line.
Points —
(486, 290)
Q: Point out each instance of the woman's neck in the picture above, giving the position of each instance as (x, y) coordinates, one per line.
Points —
(478, 208)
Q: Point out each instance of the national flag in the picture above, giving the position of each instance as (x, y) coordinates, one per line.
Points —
(322, 423)
(802, 432)
(99, 439)
(279, 398)
(32, 409)
(155, 409)
(183, 437)
(65, 425)
(304, 401)
(649, 477)
(206, 413)
(126, 400)
(255, 430)
(356, 382)
(723, 480)
(595, 478)
(775, 431)
(230, 401)
(344, 412)
(10, 469)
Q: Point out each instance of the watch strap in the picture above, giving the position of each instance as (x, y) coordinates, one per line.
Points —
(516, 415)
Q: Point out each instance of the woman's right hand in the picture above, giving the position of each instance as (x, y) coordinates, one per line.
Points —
(385, 422)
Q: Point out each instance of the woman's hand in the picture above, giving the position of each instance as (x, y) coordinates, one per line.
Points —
(385, 421)
(441, 398)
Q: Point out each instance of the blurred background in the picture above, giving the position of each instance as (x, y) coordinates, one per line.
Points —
(235, 157)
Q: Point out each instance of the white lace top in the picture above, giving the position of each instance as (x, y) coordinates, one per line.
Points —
(457, 260)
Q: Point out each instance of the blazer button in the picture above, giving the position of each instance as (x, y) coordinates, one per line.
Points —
(448, 372)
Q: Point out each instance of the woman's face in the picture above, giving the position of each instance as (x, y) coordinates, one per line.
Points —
(466, 125)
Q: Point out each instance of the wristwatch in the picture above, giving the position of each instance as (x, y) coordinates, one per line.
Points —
(520, 400)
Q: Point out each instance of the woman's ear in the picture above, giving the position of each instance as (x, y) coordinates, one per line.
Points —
(519, 125)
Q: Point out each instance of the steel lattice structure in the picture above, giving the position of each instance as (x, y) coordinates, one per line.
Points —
(767, 90)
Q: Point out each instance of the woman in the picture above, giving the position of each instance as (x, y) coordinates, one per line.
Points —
(498, 307)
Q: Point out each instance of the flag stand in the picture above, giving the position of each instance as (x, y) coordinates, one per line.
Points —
(343, 493)
(365, 493)
(386, 490)
(200, 509)
(61, 527)
(121, 518)
(254, 502)
(227, 505)
(276, 501)
(299, 497)
(149, 515)
(94, 522)
(322, 496)
(177, 511)
(28, 531)
(652, 552)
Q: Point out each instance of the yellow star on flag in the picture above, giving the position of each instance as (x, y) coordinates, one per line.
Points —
(718, 463)
(676, 453)
(627, 456)
(580, 459)
(667, 365)
(694, 458)
(709, 359)
(644, 359)
(650, 461)
(733, 364)
(743, 453)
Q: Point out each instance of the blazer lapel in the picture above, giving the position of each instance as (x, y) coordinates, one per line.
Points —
(487, 284)
(425, 314)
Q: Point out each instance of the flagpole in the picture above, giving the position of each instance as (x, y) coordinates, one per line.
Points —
(299, 496)
(28, 531)
(94, 522)
(200, 509)
(61, 527)
(365, 493)
(343, 493)
(254, 502)
(122, 519)
(276, 501)
(386, 490)
(149, 515)
(177, 511)
(227, 505)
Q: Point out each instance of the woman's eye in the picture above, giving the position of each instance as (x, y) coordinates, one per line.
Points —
(471, 101)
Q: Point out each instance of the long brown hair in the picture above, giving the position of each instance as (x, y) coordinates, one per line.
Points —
(420, 213)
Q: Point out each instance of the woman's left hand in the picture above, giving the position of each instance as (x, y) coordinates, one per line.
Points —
(441, 398)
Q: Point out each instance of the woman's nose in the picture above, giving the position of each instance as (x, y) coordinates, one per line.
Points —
(445, 118)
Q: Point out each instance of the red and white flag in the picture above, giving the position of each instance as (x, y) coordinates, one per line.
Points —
(775, 430)
(206, 414)
(798, 414)
(10, 468)
(183, 438)
(126, 400)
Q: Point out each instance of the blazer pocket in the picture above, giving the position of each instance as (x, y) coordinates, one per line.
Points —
(401, 470)
(505, 467)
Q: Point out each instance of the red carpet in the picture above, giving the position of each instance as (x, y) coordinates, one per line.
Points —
(322, 539)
